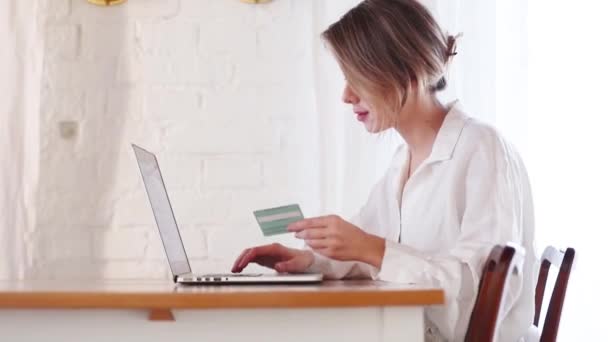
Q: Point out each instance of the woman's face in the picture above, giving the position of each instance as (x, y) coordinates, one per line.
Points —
(374, 119)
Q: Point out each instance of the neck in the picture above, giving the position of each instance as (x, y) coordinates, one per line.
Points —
(419, 122)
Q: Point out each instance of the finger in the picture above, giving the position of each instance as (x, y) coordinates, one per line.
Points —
(313, 233)
(248, 258)
(305, 224)
(291, 265)
(318, 243)
(266, 250)
(243, 261)
(238, 260)
(330, 252)
(333, 243)
(266, 261)
(315, 222)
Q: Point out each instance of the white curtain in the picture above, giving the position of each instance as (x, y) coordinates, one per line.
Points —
(350, 160)
(567, 154)
(20, 67)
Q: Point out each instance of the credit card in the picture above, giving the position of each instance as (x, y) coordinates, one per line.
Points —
(274, 221)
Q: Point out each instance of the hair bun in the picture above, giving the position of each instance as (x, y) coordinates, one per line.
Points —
(451, 46)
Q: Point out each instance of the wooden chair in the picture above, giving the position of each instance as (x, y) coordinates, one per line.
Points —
(502, 262)
(564, 261)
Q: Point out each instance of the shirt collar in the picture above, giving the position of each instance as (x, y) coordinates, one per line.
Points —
(449, 134)
(443, 147)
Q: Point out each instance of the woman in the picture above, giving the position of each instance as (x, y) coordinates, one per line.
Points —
(454, 189)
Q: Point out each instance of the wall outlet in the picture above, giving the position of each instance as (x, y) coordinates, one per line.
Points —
(68, 129)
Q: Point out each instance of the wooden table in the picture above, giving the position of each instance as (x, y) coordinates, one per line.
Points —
(162, 311)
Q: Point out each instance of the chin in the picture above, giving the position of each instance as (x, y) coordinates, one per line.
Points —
(374, 129)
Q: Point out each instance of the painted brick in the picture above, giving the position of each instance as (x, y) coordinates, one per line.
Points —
(123, 244)
(71, 209)
(180, 172)
(192, 207)
(269, 72)
(232, 172)
(273, 12)
(231, 93)
(230, 13)
(61, 103)
(275, 172)
(155, 249)
(153, 8)
(63, 41)
(236, 39)
(166, 37)
(258, 103)
(171, 104)
(125, 102)
(54, 244)
(79, 73)
(67, 269)
(193, 238)
(74, 171)
(195, 242)
(185, 70)
(220, 138)
(133, 209)
(104, 40)
(57, 10)
(135, 269)
(284, 39)
(108, 270)
(130, 9)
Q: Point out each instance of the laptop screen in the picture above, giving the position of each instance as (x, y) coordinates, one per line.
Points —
(163, 213)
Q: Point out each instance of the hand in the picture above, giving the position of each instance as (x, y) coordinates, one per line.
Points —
(338, 239)
(275, 256)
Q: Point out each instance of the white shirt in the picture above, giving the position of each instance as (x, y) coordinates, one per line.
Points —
(470, 194)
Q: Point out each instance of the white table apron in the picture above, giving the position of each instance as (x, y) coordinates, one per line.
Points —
(382, 324)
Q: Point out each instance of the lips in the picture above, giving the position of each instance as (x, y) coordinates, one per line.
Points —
(362, 115)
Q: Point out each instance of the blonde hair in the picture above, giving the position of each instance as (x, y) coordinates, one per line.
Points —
(387, 47)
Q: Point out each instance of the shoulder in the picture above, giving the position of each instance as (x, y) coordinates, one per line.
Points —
(478, 135)
(480, 140)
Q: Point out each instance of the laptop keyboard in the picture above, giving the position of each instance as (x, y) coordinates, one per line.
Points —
(232, 275)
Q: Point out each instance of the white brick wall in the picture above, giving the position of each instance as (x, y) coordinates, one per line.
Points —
(65, 41)
(56, 10)
(120, 244)
(170, 104)
(220, 90)
(233, 173)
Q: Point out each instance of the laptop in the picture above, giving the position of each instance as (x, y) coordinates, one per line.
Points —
(172, 241)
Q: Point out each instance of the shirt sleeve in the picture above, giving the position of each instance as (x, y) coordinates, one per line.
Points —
(335, 269)
(365, 219)
(492, 215)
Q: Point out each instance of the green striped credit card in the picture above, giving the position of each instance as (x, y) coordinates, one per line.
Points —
(274, 221)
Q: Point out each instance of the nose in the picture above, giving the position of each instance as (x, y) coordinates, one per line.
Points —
(349, 96)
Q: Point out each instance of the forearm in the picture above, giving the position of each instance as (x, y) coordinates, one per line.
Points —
(373, 251)
(336, 269)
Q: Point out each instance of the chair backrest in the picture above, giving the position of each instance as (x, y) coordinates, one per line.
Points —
(563, 261)
(502, 262)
